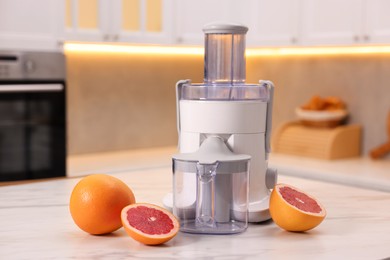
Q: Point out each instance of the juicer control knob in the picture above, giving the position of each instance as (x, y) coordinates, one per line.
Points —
(271, 178)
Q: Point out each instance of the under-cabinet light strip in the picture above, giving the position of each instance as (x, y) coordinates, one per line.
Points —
(183, 50)
(348, 50)
(132, 49)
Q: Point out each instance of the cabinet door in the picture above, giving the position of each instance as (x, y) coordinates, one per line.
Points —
(331, 22)
(276, 22)
(30, 24)
(377, 25)
(87, 20)
(192, 15)
(142, 21)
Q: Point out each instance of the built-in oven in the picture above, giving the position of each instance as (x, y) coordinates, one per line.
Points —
(32, 115)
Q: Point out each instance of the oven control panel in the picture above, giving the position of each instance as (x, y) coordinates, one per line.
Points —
(8, 65)
(4, 71)
(32, 65)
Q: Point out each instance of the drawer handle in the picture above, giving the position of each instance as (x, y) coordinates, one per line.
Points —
(31, 88)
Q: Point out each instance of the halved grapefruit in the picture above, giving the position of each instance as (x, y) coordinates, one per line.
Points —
(294, 210)
(149, 224)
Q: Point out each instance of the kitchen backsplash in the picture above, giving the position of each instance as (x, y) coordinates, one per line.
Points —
(124, 101)
(119, 101)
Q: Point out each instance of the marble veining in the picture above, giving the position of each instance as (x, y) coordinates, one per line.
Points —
(36, 224)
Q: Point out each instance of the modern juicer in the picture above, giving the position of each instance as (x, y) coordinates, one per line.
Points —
(221, 179)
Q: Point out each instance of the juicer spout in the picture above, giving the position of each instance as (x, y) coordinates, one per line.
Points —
(205, 207)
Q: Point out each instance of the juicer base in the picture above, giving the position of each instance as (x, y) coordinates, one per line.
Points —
(259, 215)
(258, 211)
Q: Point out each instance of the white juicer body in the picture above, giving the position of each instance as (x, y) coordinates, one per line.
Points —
(238, 113)
(243, 124)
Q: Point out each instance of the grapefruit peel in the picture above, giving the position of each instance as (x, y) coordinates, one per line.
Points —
(96, 203)
(294, 210)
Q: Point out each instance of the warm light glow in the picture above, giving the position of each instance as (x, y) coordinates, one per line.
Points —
(185, 50)
(131, 49)
(348, 50)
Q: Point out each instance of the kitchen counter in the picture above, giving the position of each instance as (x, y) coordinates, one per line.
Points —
(359, 171)
(36, 224)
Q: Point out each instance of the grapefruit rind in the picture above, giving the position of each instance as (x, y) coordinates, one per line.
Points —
(96, 202)
(145, 238)
(290, 217)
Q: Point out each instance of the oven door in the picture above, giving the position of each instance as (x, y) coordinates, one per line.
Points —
(32, 131)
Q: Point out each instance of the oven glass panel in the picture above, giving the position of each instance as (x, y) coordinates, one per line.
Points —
(32, 135)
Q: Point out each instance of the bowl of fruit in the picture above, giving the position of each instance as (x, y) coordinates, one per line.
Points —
(322, 112)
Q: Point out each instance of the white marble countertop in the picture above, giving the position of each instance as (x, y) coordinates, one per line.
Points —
(36, 224)
(359, 172)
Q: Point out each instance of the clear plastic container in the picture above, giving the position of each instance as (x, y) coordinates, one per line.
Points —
(224, 68)
(218, 203)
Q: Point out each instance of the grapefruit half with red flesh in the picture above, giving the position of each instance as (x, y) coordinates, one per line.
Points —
(149, 224)
(295, 210)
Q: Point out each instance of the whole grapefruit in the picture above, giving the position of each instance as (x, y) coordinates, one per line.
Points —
(96, 203)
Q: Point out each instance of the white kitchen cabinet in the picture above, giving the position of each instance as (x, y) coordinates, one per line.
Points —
(271, 22)
(45, 24)
(275, 22)
(130, 21)
(320, 22)
(331, 22)
(347, 22)
(154, 23)
(86, 20)
(191, 16)
(377, 22)
(30, 24)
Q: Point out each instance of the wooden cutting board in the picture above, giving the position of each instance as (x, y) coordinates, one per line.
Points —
(323, 143)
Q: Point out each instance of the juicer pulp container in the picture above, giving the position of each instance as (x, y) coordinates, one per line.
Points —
(217, 203)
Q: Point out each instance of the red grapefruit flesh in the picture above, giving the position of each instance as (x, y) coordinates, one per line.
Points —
(149, 224)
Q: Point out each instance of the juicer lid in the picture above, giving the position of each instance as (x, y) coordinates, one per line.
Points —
(224, 28)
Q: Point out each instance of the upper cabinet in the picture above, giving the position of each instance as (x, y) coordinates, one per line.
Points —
(331, 22)
(143, 21)
(377, 21)
(30, 24)
(46, 24)
(287, 22)
(320, 22)
(274, 23)
(86, 20)
(137, 21)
